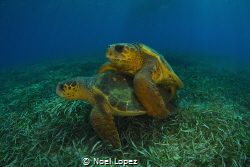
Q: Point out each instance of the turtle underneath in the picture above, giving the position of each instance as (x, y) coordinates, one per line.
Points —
(149, 69)
(109, 94)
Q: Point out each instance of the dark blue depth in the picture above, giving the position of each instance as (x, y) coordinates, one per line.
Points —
(31, 30)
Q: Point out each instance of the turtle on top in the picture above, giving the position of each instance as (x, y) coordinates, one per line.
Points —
(148, 68)
(144, 84)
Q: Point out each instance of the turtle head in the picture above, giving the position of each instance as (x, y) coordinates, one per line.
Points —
(74, 89)
(122, 54)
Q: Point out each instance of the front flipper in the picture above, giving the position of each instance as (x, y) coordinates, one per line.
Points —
(103, 124)
(148, 93)
(107, 67)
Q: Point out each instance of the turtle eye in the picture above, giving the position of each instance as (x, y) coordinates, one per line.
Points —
(74, 83)
(61, 87)
(119, 48)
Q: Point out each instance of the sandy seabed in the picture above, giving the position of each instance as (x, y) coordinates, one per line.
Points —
(210, 128)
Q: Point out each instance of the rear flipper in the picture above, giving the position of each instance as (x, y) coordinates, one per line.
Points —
(103, 124)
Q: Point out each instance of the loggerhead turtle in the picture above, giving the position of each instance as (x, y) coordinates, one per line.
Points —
(149, 69)
(109, 94)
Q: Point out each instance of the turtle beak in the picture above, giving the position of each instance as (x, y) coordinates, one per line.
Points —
(59, 89)
(114, 53)
(111, 54)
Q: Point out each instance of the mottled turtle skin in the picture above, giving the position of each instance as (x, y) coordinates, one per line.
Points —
(109, 94)
(149, 69)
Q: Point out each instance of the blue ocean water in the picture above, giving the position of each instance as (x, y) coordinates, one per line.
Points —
(32, 30)
(211, 125)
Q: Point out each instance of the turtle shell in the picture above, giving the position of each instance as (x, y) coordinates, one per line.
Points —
(151, 52)
(165, 66)
(119, 93)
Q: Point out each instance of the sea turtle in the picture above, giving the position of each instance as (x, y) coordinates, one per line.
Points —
(149, 68)
(109, 94)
